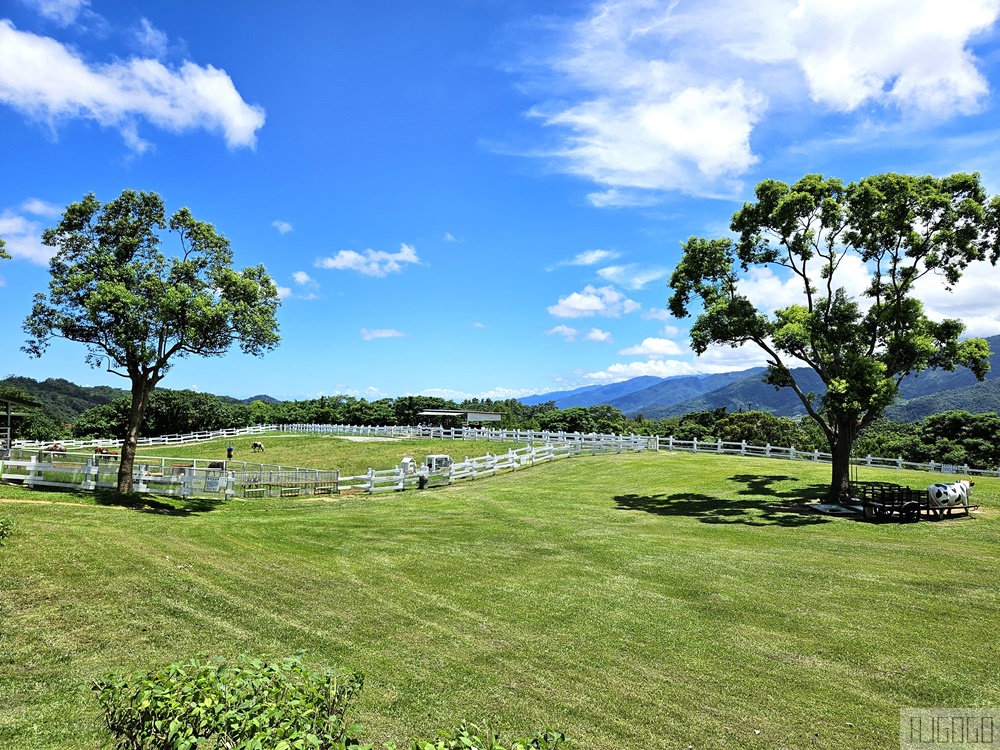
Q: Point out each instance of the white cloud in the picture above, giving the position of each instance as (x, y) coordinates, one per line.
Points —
(449, 237)
(646, 96)
(371, 392)
(284, 292)
(632, 276)
(380, 333)
(589, 258)
(151, 39)
(660, 368)
(768, 291)
(973, 301)
(24, 239)
(372, 262)
(653, 347)
(49, 81)
(41, 208)
(282, 226)
(655, 313)
(596, 334)
(671, 332)
(727, 358)
(302, 278)
(479, 325)
(63, 12)
(605, 301)
(899, 52)
(565, 331)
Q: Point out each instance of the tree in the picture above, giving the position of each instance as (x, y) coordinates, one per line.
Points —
(902, 228)
(3, 250)
(114, 291)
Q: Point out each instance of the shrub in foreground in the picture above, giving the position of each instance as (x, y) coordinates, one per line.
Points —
(244, 704)
(250, 704)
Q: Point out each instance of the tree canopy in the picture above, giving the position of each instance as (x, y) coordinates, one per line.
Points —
(137, 310)
(901, 228)
(3, 249)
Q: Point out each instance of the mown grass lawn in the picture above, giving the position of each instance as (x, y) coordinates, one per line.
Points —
(633, 601)
(350, 457)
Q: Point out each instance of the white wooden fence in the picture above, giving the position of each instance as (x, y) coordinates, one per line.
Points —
(32, 465)
(191, 437)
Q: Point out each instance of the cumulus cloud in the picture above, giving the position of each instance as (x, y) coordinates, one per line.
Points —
(973, 300)
(380, 333)
(48, 81)
(653, 347)
(565, 331)
(660, 368)
(632, 276)
(596, 334)
(909, 54)
(605, 301)
(24, 238)
(372, 262)
(303, 279)
(449, 237)
(284, 292)
(655, 313)
(41, 208)
(282, 226)
(648, 96)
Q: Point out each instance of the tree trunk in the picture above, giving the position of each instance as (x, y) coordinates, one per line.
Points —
(840, 448)
(142, 387)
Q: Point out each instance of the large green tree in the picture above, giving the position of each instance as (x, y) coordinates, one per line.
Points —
(902, 228)
(3, 249)
(113, 290)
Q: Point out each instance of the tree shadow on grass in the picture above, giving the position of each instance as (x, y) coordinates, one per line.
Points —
(167, 506)
(759, 503)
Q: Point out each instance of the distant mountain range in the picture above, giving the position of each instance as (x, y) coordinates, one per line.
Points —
(931, 392)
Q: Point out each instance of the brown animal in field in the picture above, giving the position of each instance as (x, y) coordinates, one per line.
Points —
(257, 447)
(216, 465)
(55, 449)
(106, 453)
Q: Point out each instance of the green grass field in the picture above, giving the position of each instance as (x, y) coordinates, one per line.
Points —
(633, 601)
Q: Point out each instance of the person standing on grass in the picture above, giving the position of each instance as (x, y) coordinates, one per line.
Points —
(229, 451)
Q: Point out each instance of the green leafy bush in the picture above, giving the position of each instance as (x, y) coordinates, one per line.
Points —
(6, 527)
(472, 737)
(246, 704)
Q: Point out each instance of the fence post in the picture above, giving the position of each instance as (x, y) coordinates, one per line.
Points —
(743, 448)
(899, 462)
(718, 445)
(815, 454)
(767, 451)
(694, 445)
(671, 442)
(868, 460)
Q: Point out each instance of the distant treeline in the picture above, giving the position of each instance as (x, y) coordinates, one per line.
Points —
(955, 437)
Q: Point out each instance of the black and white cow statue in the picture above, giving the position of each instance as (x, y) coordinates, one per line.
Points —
(952, 495)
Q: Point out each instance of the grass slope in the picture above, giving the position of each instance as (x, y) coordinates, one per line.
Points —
(634, 601)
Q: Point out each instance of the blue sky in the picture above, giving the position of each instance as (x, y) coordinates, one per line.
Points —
(475, 198)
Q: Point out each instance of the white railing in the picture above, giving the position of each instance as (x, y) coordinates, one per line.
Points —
(191, 437)
(791, 453)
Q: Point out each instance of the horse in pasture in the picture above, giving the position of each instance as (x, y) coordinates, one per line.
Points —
(55, 449)
(257, 447)
(106, 453)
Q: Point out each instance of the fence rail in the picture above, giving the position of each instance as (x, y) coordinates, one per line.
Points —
(31, 464)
